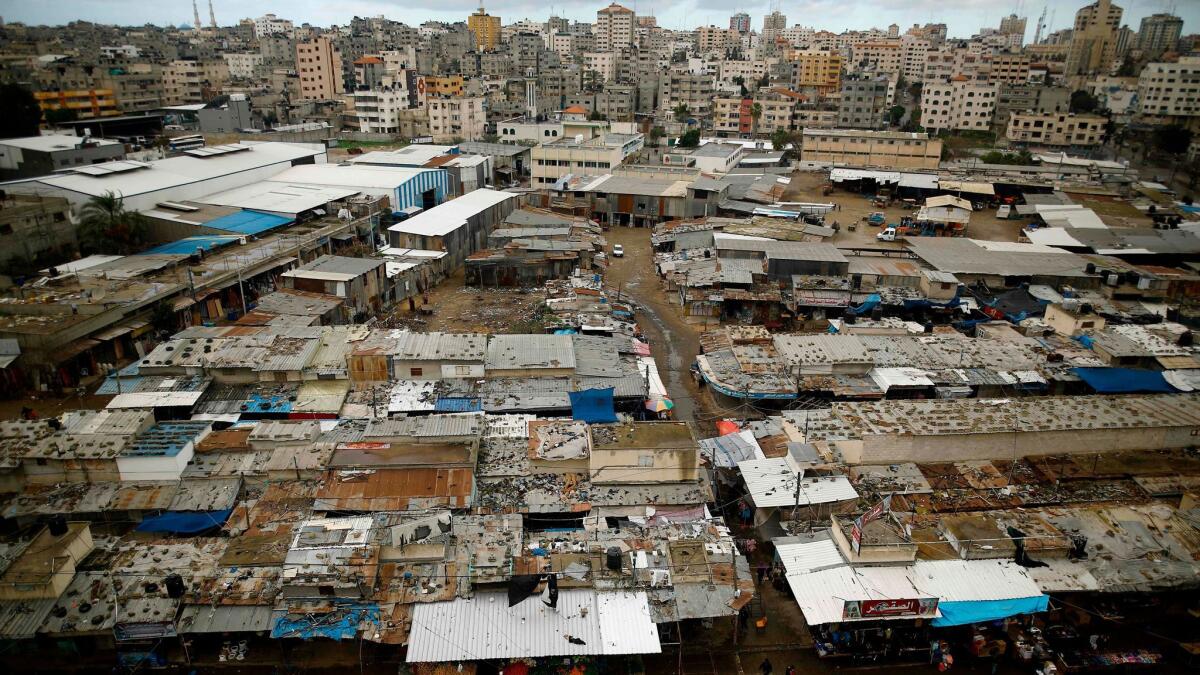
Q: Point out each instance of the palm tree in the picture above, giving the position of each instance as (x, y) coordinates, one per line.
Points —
(755, 113)
(106, 227)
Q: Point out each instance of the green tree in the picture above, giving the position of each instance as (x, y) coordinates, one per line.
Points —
(690, 139)
(681, 112)
(106, 227)
(597, 116)
(20, 113)
(56, 117)
(1083, 102)
(780, 139)
(895, 114)
(764, 81)
(656, 134)
(755, 114)
(1172, 139)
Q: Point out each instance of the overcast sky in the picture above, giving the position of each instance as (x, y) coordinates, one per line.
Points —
(964, 17)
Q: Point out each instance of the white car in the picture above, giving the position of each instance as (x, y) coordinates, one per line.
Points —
(618, 251)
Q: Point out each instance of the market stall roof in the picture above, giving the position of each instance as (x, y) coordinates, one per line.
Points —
(969, 187)
(586, 622)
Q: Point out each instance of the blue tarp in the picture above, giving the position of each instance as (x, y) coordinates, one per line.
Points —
(249, 222)
(593, 405)
(457, 404)
(1085, 340)
(340, 624)
(1124, 380)
(188, 246)
(869, 304)
(184, 522)
(982, 611)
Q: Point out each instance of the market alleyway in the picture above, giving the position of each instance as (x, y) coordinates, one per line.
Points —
(673, 342)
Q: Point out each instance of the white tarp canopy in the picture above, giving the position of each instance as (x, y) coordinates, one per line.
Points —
(839, 175)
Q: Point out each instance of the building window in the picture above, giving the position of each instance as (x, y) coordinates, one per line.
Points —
(416, 372)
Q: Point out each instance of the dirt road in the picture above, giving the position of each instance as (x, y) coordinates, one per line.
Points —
(673, 342)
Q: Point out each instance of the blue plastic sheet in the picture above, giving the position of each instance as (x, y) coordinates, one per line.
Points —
(340, 624)
(457, 404)
(593, 405)
(184, 522)
(249, 222)
(1124, 380)
(982, 611)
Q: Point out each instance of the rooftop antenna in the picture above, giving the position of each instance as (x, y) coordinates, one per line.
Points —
(212, 17)
(195, 16)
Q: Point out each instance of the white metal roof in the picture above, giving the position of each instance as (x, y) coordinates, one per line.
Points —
(449, 216)
(154, 399)
(807, 556)
(586, 622)
(176, 171)
(948, 200)
(821, 593)
(839, 175)
(772, 482)
(53, 142)
(886, 378)
(279, 197)
(1082, 218)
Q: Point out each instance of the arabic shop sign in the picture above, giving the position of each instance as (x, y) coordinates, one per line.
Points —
(889, 609)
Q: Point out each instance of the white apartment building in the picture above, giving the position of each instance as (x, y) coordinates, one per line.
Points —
(714, 39)
(914, 52)
(798, 36)
(750, 71)
(383, 110)
(594, 156)
(960, 104)
(456, 118)
(244, 66)
(615, 28)
(694, 91)
(1170, 89)
(269, 24)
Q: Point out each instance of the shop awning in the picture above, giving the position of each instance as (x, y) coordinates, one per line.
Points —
(593, 405)
(73, 349)
(983, 611)
(10, 349)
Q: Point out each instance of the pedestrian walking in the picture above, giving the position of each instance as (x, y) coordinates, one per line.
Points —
(765, 667)
(762, 572)
(791, 670)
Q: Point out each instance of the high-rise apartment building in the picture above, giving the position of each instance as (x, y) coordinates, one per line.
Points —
(1159, 33)
(1013, 25)
(319, 64)
(1094, 38)
(1169, 91)
(614, 28)
(740, 22)
(773, 26)
(485, 29)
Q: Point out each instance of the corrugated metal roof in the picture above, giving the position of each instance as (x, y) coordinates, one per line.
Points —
(772, 482)
(726, 451)
(822, 594)
(224, 618)
(519, 352)
(441, 346)
(449, 216)
(586, 622)
(803, 555)
(973, 580)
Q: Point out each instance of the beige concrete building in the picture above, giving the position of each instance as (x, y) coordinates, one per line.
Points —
(45, 568)
(319, 63)
(1055, 129)
(1094, 39)
(456, 118)
(714, 39)
(1008, 68)
(614, 28)
(593, 156)
(193, 81)
(485, 29)
(891, 149)
(882, 57)
(732, 116)
(958, 104)
(696, 91)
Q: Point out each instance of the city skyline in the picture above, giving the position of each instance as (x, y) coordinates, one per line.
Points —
(963, 20)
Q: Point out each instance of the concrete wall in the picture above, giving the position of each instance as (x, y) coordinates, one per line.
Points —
(963, 447)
